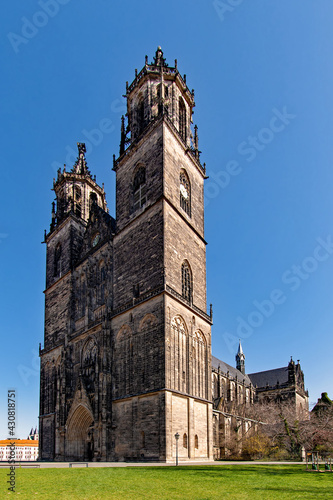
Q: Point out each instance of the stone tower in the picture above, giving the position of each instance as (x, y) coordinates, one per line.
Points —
(161, 332)
(126, 362)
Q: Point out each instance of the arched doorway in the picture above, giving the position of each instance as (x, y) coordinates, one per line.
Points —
(80, 436)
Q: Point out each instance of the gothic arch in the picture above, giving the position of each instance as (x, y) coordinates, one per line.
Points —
(124, 333)
(179, 354)
(89, 351)
(187, 281)
(140, 113)
(148, 321)
(79, 442)
(182, 118)
(199, 362)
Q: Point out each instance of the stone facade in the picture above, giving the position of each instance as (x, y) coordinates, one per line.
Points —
(126, 362)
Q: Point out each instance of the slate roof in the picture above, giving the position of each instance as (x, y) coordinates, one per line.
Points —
(233, 372)
(269, 377)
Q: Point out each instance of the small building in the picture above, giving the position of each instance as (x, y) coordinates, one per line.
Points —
(26, 450)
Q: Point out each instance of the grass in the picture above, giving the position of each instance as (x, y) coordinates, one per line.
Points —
(188, 482)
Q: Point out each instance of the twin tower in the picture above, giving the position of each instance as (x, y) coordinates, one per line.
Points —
(126, 362)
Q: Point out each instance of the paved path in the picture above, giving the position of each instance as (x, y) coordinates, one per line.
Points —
(66, 465)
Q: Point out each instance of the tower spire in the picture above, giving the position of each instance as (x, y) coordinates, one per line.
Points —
(240, 359)
(80, 166)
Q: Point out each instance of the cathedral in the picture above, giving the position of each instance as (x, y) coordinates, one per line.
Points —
(126, 366)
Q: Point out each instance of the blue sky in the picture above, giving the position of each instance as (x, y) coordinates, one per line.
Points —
(263, 81)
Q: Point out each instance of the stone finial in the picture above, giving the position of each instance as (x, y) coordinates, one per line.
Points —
(80, 166)
(159, 60)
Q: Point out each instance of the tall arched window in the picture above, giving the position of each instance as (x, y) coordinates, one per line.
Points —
(92, 199)
(199, 367)
(182, 119)
(161, 102)
(78, 195)
(57, 260)
(179, 355)
(139, 188)
(196, 441)
(90, 365)
(141, 114)
(186, 281)
(185, 192)
(185, 440)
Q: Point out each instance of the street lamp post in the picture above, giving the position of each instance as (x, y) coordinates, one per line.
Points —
(177, 439)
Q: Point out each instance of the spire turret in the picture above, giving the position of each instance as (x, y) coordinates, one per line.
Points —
(240, 359)
(74, 190)
(80, 166)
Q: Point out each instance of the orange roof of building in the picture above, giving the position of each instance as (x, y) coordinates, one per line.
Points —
(19, 442)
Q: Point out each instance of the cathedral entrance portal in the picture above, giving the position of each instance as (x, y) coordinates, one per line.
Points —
(80, 435)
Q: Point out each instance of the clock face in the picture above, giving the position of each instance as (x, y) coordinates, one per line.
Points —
(96, 239)
(183, 191)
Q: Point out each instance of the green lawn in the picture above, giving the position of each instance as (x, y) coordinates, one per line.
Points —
(191, 482)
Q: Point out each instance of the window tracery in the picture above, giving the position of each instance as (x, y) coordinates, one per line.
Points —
(182, 119)
(186, 281)
(185, 192)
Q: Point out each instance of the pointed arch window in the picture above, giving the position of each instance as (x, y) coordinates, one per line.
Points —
(139, 188)
(78, 195)
(196, 441)
(179, 355)
(187, 289)
(185, 440)
(199, 366)
(161, 103)
(182, 119)
(185, 192)
(57, 260)
(141, 114)
(92, 199)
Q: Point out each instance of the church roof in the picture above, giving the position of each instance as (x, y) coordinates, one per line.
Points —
(233, 372)
(270, 377)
